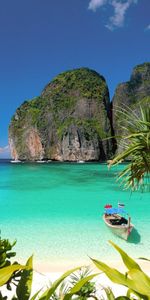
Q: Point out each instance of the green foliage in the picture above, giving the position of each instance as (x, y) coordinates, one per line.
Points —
(122, 298)
(142, 67)
(109, 294)
(90, 127)
(137, 282)
(136, 147)
(87, 82)
(81, 285)
(28, 112)
(7, 272)
(78, 286)
(52, 289)
(128, 261)
(64, 126)
(8, 275)
(23, 290)
(5, 252)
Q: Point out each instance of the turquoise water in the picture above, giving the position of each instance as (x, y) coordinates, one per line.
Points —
(55, 211)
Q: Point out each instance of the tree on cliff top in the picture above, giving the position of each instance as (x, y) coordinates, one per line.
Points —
(135, 143)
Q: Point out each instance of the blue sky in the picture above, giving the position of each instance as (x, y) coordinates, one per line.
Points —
(40, 39)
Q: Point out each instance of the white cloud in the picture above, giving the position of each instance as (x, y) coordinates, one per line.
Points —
(94, 4)
(4, 151)
(120, 8)
(117, 20)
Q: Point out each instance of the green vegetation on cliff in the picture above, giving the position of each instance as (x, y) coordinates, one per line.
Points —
(62, 94)
(134, 90)
(73, 114)
(132, 94)
(86, 82)
(78, 98)
(142, 69)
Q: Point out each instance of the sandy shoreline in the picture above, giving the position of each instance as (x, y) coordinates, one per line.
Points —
(63, 265)
(43, 279)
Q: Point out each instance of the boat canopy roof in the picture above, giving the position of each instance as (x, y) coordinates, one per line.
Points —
(111, 211)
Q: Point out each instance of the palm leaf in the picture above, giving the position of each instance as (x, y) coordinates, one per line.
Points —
(141, 282)
(7, 272)
(109, 293)
(128, 261)
(47, 294)
(78, 286)
(135, 144)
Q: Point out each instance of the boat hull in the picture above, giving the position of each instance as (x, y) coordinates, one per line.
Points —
(122, 231)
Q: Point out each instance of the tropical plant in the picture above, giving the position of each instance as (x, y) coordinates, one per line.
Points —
(71, 281)
(77, 288)
(14, 273)
(88, 289)
(136, 281)
(5, 252)
(135, 143)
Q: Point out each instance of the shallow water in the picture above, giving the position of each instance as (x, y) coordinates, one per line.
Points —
(55, 211)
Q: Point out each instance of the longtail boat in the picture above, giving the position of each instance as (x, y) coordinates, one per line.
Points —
(116, 222)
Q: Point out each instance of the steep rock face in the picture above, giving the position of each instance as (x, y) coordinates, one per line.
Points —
(67, 122)
(131, 94)
(32, 150)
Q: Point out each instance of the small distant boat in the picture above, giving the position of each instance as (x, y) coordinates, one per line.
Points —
(81, 161)
(15, 161)
(117, 223)
(41, 161)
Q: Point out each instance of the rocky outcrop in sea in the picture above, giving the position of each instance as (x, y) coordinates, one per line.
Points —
(73, 116)
(132, 94)
(67, 122)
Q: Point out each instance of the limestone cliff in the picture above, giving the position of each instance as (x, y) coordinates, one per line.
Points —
(131, 94)
(67, 122)
(136, 90)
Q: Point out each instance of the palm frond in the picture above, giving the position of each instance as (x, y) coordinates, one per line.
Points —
(134, 145)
